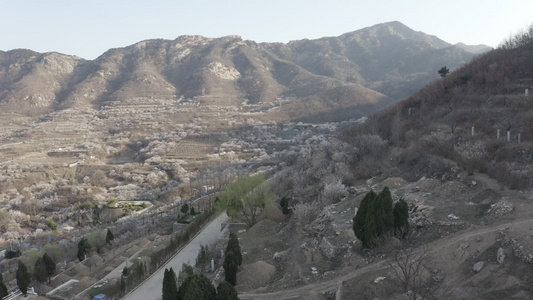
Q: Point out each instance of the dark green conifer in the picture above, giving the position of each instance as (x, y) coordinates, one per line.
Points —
(360, 218)
(196, 287)
(50, 265)
(401, 217)
(226, 291)
(23, 278)
(170, 289)
(232, 260)
(109, 236)
(3, 287)
(39, 271)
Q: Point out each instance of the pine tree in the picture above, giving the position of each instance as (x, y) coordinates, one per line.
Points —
(83, 248)
(185, 208)
(170, 289)
(386, 212)
(226, 291)
(233, 244)
(109, 236)
(196, 287)
(360, 218)
(39, 272)
(50, 265)
(401, 217)
(233, 259)
(3, 287)
(284, 202)
(371, 224)
(375, 218)
(23, 278)
(122, 284)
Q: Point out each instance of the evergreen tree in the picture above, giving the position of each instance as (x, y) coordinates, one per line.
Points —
(122, 284)
(50, 265)
(360, 218)
(83, 248)
(284, 202)
(230, 267)
(197, 287)
(226, 291)
(39, 272)
(371, 224)
(193, 212)
(401, 217)
(233, 244)
(233, 259)
(3, 287)
(23, 278)
(386, 212)
(170, 289)
(443, 72)
(185, 208)
(109, 236)
(202, 258)
(375, 218)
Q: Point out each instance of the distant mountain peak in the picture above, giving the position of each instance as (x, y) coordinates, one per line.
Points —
(476, 49)
(386, 61)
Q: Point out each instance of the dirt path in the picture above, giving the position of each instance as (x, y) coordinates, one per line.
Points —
(331, 284)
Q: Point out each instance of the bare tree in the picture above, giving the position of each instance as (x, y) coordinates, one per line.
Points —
(410, 267)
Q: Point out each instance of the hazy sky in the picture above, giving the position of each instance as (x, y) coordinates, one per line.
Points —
(89, 28)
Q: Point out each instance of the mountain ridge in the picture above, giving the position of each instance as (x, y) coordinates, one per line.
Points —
(378, 58)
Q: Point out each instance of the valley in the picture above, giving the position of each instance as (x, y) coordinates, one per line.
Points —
(147, 140)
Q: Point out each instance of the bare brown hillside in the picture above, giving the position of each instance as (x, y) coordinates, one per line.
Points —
(377, 63)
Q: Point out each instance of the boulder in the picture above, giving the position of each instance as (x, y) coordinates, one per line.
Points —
(500, 256)
(478, 266)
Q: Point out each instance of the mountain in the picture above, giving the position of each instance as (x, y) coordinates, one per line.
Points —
(478, 118)
(476, 49)
(380, 64)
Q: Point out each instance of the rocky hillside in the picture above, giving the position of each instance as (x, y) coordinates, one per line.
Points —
(379, 64)
(478, 117)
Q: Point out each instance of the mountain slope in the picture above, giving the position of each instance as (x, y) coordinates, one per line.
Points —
(478, 117)
(390, 59)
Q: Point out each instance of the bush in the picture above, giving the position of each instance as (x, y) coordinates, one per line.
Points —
(52, 224)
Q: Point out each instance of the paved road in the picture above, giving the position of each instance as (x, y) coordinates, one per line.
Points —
(152, 288)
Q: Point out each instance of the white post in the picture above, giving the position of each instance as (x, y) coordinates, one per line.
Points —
(527, 92)
(212, 265)
(498, 134)
(508, 136)
(221, 252)
(472, 130)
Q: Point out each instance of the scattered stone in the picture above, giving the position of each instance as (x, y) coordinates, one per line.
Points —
(461, 250)
(478, 266)
(500, 256)
(500, 208)
(453, 217)
(379, 280)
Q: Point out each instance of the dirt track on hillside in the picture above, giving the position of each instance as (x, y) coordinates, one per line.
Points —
(437, 248)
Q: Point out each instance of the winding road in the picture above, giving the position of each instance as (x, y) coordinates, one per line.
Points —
(152, 287)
